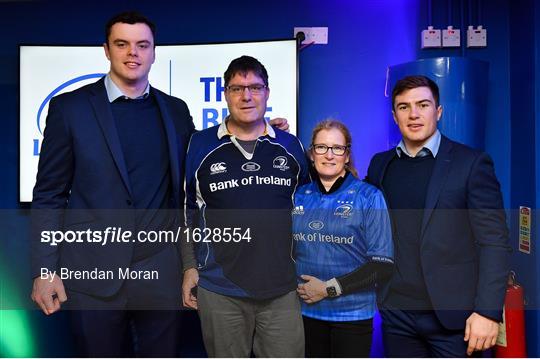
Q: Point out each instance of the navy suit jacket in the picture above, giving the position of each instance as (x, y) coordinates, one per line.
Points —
(464, 246)
(82, 182)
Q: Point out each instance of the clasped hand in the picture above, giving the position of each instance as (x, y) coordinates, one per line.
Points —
(312, 290)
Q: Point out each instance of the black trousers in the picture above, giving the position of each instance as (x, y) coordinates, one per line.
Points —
(142, 319)
(337, 339)
(126, 333)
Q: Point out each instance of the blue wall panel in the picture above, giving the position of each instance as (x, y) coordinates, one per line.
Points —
(523, 158)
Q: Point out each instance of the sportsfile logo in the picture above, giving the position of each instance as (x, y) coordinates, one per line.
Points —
(280, 163)
(298, 210)
(219, 167)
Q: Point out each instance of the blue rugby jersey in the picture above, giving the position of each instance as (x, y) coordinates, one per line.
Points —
(229, 187)
(336, 233)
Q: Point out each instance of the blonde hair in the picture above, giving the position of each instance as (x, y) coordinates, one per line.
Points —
(331, 123)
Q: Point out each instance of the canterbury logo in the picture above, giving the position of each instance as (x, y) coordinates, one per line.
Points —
(219, 167)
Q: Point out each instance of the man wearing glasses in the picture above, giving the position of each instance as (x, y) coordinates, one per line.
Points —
(240, 182)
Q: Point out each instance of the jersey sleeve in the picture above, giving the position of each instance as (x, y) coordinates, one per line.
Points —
(190, 183)
(191, 209)
(378, 229)
(301, 157)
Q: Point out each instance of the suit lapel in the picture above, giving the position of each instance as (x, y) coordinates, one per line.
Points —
(171, 141)
(104, 116)
(438, 178)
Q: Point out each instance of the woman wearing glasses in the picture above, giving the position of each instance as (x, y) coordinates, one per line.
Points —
(343, 245)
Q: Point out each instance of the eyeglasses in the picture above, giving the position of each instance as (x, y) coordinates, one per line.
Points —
(255, 89)
(336, 150)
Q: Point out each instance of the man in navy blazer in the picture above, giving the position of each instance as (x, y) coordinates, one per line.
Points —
(113, 157)
(446, 294)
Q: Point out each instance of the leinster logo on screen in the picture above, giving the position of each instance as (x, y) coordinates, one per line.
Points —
(343, 211)
(41, 113)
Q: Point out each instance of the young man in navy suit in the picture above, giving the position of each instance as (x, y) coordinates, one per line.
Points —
(113, 157)
(446, 294)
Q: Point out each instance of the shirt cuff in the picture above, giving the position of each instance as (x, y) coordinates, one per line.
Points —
(334, 283)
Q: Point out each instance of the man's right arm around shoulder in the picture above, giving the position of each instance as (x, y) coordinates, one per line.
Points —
(50, 197)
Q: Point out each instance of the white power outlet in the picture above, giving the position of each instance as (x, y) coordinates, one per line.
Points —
(314, 35)
(431, 38)
(451, 37)
(476, 37)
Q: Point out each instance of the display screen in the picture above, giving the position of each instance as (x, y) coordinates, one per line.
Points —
(193, 73)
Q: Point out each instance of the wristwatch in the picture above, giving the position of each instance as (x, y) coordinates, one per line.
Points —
(333, 289)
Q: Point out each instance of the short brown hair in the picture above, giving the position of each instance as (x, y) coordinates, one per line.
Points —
(412, 82)
(329, 124)
(243, 65)
(129, 17)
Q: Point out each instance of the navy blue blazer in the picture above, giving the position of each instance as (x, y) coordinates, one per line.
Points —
(464, 246)
(82, 181)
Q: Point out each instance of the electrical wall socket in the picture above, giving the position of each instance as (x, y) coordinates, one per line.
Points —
(476, 37)
(451, 37)
(314, 35)
(431, 38)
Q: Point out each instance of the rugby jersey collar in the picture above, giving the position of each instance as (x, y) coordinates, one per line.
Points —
(335, 186)
(223, 131)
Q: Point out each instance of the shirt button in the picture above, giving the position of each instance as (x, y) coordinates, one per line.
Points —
(129, 203)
